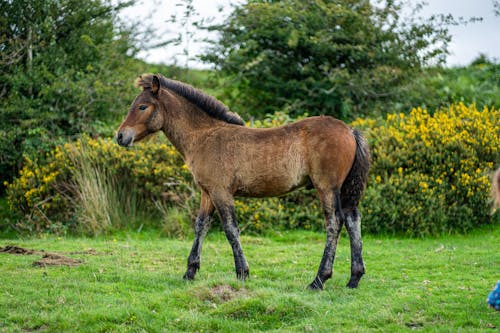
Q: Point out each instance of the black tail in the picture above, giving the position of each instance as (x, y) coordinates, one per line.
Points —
(355, 183)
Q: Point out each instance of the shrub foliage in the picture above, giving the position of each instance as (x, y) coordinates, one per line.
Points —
(63, 65)
(430, 175)
(49, 194)
(340, 58)
(431, 172)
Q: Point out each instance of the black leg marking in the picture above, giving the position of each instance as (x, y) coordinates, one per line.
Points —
(232, 232)
(201, 227)
(317, 284)
(353, 226)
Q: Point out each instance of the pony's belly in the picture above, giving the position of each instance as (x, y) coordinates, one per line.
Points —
(271, 186)
(271, 173)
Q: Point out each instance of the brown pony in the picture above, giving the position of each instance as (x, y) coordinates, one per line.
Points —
(228, 159)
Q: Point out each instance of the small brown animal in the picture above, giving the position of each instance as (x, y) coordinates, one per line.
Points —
(228, 159)
(495, 189)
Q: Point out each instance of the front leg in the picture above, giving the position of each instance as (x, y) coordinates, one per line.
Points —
(225, 208)
(201, 227)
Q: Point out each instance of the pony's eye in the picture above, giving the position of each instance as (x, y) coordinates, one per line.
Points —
(143, 107)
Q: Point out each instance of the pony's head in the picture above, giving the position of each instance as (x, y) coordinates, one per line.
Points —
(144, 117)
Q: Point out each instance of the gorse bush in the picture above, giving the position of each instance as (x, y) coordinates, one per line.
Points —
(431, 172)
(430, 175)
(93, 185)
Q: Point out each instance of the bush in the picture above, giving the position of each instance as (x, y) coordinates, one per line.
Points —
(430, 175)
(93, 186)
(431, 172)
(325, 57)
(435, 87)
(477, 83)
(62, 68)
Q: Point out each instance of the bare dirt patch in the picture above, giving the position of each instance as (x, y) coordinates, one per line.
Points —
(219, 294)
(225, 293)
(48, 258)
(92, 252)
(13, 249)
(54, 259)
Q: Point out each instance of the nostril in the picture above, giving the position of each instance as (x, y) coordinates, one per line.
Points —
(125, 137)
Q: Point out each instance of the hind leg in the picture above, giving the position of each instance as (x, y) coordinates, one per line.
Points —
(353, 226)
(201, 227)
(333, 226)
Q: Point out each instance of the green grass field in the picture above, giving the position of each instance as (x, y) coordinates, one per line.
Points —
(134, 283)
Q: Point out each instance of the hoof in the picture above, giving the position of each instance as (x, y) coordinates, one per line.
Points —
(189, 275)
(354, 280)
(242, 274)
(191, 271)
(352, 284)
(316, 284)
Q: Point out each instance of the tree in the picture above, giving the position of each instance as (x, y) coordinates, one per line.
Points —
(61, 68)
(337, 57)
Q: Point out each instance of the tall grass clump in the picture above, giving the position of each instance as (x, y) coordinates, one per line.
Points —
(94, 186)
(101, 200)
(176, 221)
(94, 197)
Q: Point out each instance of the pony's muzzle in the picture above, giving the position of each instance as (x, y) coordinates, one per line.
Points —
(125, 137)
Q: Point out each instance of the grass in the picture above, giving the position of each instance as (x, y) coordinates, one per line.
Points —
(133, 283)
(104, 201)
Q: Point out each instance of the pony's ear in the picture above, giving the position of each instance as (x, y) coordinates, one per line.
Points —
(155, 85)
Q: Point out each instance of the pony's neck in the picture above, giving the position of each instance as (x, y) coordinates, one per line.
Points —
(184, 123)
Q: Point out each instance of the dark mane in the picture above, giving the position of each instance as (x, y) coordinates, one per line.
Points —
(209, 104)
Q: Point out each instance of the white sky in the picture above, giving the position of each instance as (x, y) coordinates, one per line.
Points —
(467, 42)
